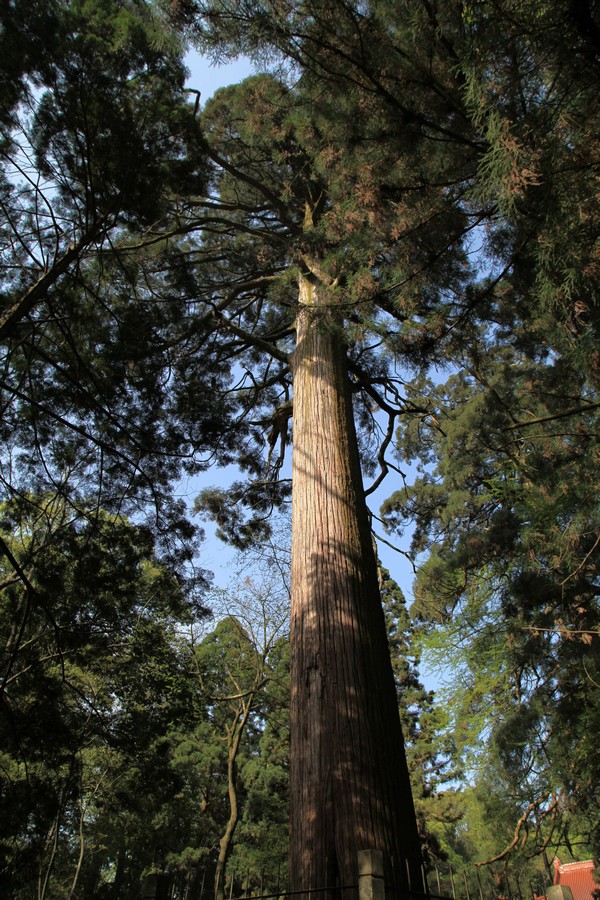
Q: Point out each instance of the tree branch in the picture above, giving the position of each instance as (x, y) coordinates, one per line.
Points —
(561, 415)
(252, 339)
(533, 805)
(37, 291)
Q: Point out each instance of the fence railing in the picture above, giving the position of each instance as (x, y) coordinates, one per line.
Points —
(436, 884)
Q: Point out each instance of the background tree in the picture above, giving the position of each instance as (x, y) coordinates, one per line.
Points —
(430, 750)
(259, 858)
(234, 668)
(98, 142)
(507, 516)
(92, 681)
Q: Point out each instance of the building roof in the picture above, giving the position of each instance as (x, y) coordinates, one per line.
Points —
(578, 876)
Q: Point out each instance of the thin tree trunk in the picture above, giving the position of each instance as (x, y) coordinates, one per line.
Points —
(83, 807)
(81, 846)
(44, 879)
(349, 785)
(119, 884)
(225, 842)
(233, 746)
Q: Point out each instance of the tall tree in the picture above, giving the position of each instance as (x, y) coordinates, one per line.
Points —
(97, 140)
(335, 222)
(515, 111)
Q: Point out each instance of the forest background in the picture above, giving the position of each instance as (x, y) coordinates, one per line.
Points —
(137, 739)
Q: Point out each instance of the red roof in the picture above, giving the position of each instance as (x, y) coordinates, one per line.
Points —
(578, 876)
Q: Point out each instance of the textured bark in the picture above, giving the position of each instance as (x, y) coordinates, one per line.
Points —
(349, 786)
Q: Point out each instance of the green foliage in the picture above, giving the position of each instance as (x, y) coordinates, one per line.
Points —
(508, 520)
(535, 100)
(430, 750)
(344, 183)
(99, 145)
(110, 126)
(237, 746)
(259, 857)
(92, 679)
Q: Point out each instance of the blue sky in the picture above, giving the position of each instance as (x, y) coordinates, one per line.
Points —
(206, 77)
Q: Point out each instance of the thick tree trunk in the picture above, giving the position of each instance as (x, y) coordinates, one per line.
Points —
(349, 786)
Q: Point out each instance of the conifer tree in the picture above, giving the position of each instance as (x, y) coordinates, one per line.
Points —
(513, 111)
(335, 223)
(504, 506)
(98, 142)
(507, 516)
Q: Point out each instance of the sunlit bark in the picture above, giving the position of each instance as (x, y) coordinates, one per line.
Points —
(349, 787)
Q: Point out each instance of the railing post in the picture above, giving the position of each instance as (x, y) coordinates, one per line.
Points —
(371, 884)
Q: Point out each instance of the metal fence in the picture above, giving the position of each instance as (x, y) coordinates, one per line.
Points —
(438, 883)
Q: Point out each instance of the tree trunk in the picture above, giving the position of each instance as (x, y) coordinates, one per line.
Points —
(234, 736)
(349, 785)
